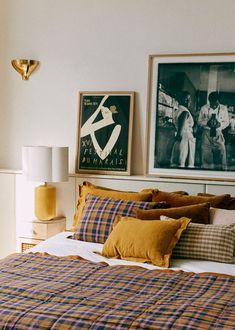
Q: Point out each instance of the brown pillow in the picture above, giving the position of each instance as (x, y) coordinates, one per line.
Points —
(151, 190)
(231, 203)
(89, 188)
(175, 200)
(198, 213)
(205, 194)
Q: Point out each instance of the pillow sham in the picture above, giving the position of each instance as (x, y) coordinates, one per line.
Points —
(144, 241)
(151, 190)
(89, 188)
(175, 200)
(221, 216)
(99, 213)
(206, 242)
(231, 202)
(198, 213)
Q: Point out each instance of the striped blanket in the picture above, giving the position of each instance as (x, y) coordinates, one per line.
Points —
(48, 292)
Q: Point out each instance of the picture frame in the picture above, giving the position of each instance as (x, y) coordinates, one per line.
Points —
(105, 132)
(191, 140)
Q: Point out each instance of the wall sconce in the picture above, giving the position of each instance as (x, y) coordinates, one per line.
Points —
(24, 67)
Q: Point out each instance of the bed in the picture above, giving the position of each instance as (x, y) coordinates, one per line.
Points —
(68, 283)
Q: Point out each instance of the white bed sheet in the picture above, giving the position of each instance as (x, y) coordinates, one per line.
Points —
(60, 245)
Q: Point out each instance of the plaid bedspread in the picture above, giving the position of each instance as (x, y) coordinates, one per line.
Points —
(47, 292)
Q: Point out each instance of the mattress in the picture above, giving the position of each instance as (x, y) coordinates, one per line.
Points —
(61, 245)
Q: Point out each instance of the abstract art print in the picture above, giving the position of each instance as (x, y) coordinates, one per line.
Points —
(105, 132)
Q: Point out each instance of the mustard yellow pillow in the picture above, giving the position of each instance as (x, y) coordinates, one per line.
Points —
(144, 241)
(89, 188)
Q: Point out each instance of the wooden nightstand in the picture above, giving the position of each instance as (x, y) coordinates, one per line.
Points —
(33, 232)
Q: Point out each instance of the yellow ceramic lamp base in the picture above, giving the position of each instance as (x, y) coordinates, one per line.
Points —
(45, 202)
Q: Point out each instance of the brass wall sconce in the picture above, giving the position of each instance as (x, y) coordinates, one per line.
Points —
(24, 67)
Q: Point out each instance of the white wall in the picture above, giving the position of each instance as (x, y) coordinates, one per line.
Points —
(7, 214)
(92, 45)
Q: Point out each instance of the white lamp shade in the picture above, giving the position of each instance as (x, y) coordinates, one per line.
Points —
(60, 164)
(45, 164)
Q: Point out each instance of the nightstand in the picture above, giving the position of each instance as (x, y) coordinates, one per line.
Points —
(33, 232)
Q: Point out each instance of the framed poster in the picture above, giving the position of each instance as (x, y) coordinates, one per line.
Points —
(105, 132)
(191, 116)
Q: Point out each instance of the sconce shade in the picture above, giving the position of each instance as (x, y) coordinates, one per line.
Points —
(45, 164)
(24, 67)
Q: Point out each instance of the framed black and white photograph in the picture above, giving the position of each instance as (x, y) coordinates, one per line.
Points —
(105, 132)
(191, 116)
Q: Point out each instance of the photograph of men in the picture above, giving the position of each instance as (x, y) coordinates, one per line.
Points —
(183, 152)
(195, 117)
(213, 119)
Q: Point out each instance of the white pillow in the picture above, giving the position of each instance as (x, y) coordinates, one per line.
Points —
(221, 216)
(164, 217)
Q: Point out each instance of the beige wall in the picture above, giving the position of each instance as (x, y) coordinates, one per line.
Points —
(92, 45)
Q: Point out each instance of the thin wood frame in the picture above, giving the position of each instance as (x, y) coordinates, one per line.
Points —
(109, 146)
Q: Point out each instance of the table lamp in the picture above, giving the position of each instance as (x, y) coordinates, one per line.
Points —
(45, 164)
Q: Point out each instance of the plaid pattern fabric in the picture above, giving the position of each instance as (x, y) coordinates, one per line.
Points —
(47, 292)
(207, 242)
(99, 213)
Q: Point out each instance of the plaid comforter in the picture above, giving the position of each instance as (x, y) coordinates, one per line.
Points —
(47, 292)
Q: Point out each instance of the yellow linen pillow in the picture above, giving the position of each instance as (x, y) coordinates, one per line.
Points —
(89, 188)
(144, 241)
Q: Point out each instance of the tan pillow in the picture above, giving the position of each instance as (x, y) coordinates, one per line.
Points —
(198, 213)
(221, 216)
(89, 188)
(144, 241)
(175, 200)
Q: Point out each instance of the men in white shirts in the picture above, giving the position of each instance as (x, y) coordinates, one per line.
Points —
(213, 118)
(183, 152)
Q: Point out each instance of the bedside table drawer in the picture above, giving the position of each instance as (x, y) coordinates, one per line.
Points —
(41, 230)
(30, 233)
(33, 230)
